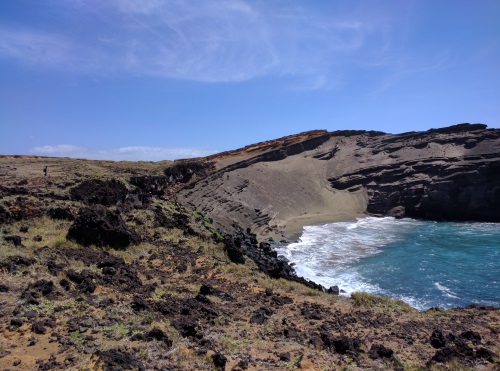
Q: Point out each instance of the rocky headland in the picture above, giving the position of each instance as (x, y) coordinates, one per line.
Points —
(278, 186)
(161, 266)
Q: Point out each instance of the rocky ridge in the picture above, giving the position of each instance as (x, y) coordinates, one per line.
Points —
(441, 174)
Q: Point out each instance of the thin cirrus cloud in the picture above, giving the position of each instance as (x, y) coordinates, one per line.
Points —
(208, 41)
(129, 153)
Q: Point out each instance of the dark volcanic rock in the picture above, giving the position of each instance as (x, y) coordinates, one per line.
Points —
(101, 227)
(4, 215)
(261, 315)
(438, 340)
(266, 258)
(12, 262)
(183, 171)
(60, 213)
(186, 325)
(150, 185)
(209, 290)
(50, 364)
(119, 359)
(175, 220)
(486, 354)
(16, 240)
(65, 284)
(38, 289)
(379, 351)
(219, 361)
(21, 260)
(233, 252)
(86, 280)
(38, 328)
(16, 322)
(341, 344)
(471, 336)
(157, 334)
(44, 287)
(334, 290)
(462, 348)
(103, 192)
(138, 303)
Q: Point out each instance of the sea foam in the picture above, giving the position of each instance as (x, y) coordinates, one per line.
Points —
(425, 264)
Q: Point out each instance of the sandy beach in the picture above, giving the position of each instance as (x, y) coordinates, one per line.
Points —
(294, 227)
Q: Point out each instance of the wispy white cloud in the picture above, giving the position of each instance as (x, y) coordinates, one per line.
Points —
(203, 40)
(32, 47)
(130, 153)
(59, 149)
(405, 68)
(40, 49)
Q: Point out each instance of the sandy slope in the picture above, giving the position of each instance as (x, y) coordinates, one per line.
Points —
(280, 187)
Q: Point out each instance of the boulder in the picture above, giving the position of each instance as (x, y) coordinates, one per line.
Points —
(219, 361)
(233, 252)
(437, 339)
(334, 290)
(99, 226)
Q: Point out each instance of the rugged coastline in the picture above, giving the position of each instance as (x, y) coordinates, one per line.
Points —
(424, 263)
(112, 266)
(441, 174)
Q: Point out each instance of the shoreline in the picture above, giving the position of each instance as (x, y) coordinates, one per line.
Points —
(294, 227)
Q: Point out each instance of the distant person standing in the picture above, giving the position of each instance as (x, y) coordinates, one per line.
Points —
(45, 170)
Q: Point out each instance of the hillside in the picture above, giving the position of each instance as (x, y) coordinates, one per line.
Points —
(102, 267)
(278, 186)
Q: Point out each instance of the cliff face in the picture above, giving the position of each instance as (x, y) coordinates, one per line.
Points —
(465, 186)
(451, 173)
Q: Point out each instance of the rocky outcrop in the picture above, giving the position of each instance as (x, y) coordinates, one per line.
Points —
(244, 243)
(450, 173)
(100, 226)
(183, 171)
(464, 188)
(101, 192)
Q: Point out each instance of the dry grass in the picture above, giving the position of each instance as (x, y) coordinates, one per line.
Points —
(363, 299)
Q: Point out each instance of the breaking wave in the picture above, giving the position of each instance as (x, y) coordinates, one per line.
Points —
(426, 264)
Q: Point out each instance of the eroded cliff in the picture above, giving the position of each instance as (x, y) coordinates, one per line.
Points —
(450, 173)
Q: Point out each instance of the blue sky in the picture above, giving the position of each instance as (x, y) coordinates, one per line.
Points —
(166, 79)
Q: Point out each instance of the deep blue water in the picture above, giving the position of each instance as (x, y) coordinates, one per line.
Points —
(426, 264)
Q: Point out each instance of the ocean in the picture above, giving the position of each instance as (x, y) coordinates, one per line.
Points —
(425, 264)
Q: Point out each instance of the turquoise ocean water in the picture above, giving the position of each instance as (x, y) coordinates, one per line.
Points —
(426, 264)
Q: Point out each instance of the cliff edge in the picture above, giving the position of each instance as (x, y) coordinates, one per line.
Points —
(278, 186)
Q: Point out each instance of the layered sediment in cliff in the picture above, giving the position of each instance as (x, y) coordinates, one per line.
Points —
(450, 173)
